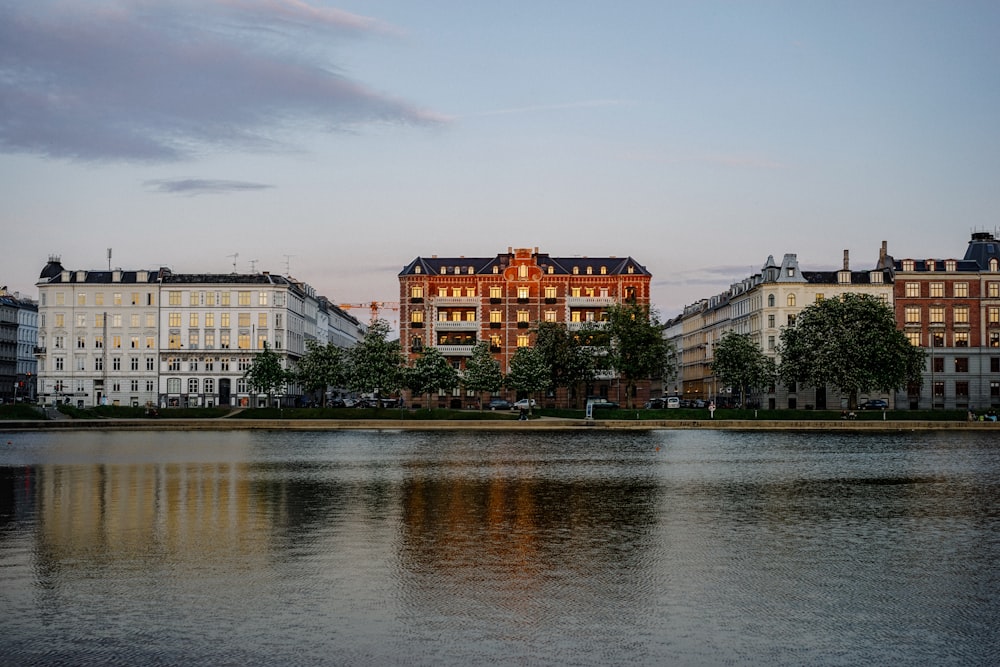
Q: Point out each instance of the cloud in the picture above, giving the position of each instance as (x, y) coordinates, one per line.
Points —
(202, 186)
(138, 80)
(585, 104)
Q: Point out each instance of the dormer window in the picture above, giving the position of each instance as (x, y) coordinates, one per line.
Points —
(931, 266)
(604, 270)
(522, 271)
(950, 265)
(590, 270)
(908, 264)
(576, 270)
(416, 269)
(790, 271)
(631, 269)
(471, 271)
(994, 264)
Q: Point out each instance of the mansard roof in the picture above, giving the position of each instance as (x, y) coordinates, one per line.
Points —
(435, 266)
(170, 278)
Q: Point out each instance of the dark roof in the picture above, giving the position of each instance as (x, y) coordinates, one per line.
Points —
(484, 265)
(833, 277)
(223, 279)
(982, 248)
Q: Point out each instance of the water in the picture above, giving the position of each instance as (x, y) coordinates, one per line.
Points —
(373, 548)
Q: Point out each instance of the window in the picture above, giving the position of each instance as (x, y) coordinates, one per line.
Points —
(261, 341)
(173, 364)
(99, 320)
(133, 363)
(98, 363)
(770, 321)
(949, 265)
(995, 339)
(134, 385)
(209, 364)
(550, 292)
(81, 342)
(936, 315)
(81, 299)
(243, 320)
(133, 320)
(150, 320)
(59, 363)
(173, 298)
(961, 314)
(574, 292)
(116, 320)
(456, 291)
(522, 340)
(993, 314)
(150, 342)
(224, 365)
(496, 316)
(496, 292)
(791, 272)
(150, 364)
(994, 364)
(790, 301)
(99, 299)
(961, 364)
(791, 320)
(99, 342)
(913, 337)
(770, 301)
(939, 389)
(961, 339)
(912, 290)
(262, 320)
(819, 298)
(961, 290)
(209, 385)
(135, 298)
(262, 298)
(937, 339)
(81, 362)
(224, 320)
(174, 342)
(224, 340)
(116, 363)
(116, 342)
(243, 341)
(522, 316)
(417, 292)
(174, 319)
(770, 342)
(243, 364)
(193, 320)
(522, 293)
(60, 320)
(962, 389)
(81, 320)
(994, 389)
(550, 316)
(193, 340)
(134, 342)
(173, 385)
(417, 317)
(243, 298)
(912, 315)
(224, 298)
(993, 290)
(937, 290)
(192, 385)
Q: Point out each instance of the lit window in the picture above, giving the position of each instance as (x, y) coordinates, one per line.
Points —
(173, 298)
(936, 315)
(961, 290)
(496, 316)
(937, 290)
(913, 337)
(912, 290)
(790, 301)
(522, 316)
(993, 314)
(243, 320)
(417, 292)
(522, 340)
(961, 339)
(522, 292)
(243, 298)
(262, 298)
(961, 314)
(550, 292)
(912, 315)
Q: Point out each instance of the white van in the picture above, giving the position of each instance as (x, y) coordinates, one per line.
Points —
(673, 402)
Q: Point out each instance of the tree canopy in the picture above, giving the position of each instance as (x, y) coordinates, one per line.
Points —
(851, 343)
(376, 363)
(528, 371)
(322, 367)
(266, 374)
(570, 363)
(430, 372)
(740, 363)
(638, 349)
(482, 372)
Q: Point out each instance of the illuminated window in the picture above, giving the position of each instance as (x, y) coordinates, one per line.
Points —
(417, 292)
(81, 299)
(937, 290)
(993, 314)
(262, 298)
(522, 292)
(262, 320)
(550, 316)
(174, 319)
(193, 320)
(496, 316)
(961, 314)
(961, 339)
(243, 320)
(936, 315)
(522, 340)
(174, 342)
(961, 290)
(496, 292)
(912, 290)
(417, 316)
(913, 337)
(243, 341)
(522, 316)
(790, 300)
(912, 315)
(243, 298)
(173, 298)
(550, 292)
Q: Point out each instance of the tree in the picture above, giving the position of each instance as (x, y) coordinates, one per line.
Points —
(482, 372)
(637, 349)
(376, 363)
(851, 343)
(430, 372)
(266, 375)
(529, 372)
(739, 362)
(570, 362)
(322, 367)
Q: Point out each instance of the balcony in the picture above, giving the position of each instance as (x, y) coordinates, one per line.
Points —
(593, 301)
(579, 326)
(452, 325)
(456, 350)
(442, 301)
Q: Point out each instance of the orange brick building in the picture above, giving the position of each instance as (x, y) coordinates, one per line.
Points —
(453, 303)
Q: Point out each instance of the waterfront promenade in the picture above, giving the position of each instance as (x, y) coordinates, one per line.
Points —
(511, 425)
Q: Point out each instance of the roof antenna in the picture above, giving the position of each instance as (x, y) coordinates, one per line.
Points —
(253, 265)
(109, 259)
(288, 265)
(234, 256)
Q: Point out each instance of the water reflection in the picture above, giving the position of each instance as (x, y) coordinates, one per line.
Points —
(459, 548)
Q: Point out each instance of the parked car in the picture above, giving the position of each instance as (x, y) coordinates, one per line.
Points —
(524, 404)
(500, 404)
(336, 403)
(673, 402)
(875, 404)
(656, 404)
(698, 403)
(605, 405)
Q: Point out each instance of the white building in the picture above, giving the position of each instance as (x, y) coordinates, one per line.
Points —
(159, 338)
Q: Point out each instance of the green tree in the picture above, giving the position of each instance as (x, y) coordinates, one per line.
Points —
(430, 372)
(322, 367)
(528, 372)
(376, 363)
(569, 358)
(851, 343)
(482, 372)
(739, 362)
(637, 349)
(266, 374)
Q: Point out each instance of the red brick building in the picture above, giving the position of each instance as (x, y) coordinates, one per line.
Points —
(951, 308)
(453, 303)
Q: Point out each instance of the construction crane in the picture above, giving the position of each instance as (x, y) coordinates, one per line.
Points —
(374, 307)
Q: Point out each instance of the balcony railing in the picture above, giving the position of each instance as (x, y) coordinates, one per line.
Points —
(590, 301)
(456, 301)
(456, 350)
(451, 325)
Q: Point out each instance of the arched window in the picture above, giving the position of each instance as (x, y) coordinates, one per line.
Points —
(770, 301)
(790, 300)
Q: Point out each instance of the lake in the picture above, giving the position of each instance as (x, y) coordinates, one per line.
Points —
(458, 548)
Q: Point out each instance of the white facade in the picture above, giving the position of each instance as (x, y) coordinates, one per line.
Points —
(158, 338)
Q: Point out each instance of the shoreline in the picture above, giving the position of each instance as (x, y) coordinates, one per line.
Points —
(542, 424)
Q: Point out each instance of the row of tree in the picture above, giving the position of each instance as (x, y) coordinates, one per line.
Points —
(851, 343)
(630, 343)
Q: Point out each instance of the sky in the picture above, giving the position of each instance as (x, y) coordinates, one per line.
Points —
(337, 141)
